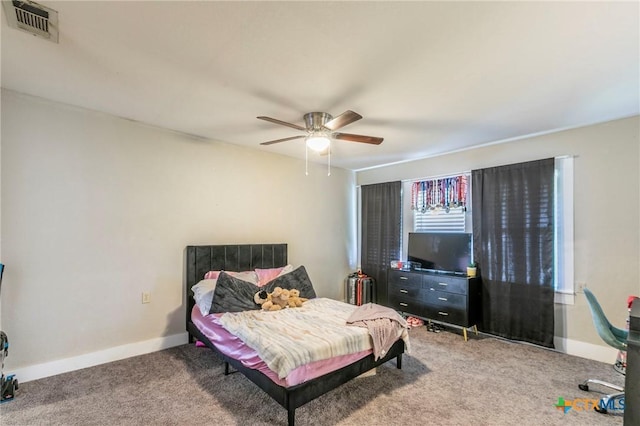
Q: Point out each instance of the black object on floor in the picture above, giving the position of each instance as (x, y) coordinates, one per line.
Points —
(435, 328)
(9, 384)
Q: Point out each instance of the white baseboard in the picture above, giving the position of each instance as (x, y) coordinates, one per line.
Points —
(600, 353)
(33, 372)
(39, 371)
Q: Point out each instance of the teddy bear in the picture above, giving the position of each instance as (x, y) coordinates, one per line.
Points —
(264, 299)
(280, 297)
(295, 301)
(274, 301)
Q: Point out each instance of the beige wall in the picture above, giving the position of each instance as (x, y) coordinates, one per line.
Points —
(606, 202)
(97, 209)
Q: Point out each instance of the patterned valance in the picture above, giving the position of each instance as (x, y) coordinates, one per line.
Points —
(444, 193)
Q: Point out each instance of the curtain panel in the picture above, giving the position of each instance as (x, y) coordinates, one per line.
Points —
(513, 231)
(381, 232)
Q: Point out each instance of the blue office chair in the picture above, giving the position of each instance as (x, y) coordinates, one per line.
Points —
(613, 336)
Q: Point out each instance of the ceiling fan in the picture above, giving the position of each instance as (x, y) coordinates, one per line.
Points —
(320, 128)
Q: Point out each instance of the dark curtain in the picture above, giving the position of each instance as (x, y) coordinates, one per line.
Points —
(513, 246)
(381, 227)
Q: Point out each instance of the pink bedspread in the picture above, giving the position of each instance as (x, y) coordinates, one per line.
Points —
(235, 348)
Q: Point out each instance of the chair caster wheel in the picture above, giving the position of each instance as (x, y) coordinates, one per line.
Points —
(9, 388)
(584, 387)
(600, 409)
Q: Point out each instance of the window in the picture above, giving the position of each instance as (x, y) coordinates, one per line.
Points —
(458, 220)
(440, 205)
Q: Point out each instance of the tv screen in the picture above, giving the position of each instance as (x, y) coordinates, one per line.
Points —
(440, 251)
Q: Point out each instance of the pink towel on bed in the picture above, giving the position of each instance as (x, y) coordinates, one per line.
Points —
(385, 326)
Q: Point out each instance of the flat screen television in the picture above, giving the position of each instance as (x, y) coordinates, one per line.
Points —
(446, 252)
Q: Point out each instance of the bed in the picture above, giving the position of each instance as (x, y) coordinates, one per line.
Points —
(202, 259)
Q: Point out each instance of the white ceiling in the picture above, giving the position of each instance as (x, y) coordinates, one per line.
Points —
(429, 77)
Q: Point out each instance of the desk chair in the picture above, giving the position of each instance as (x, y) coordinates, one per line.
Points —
(613, 336)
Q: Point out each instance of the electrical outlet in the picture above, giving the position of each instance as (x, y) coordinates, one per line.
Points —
(146, 297)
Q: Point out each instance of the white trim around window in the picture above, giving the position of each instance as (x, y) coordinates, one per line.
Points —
(563, 235)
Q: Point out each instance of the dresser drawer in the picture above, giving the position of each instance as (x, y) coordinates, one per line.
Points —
(447, 314)
(404, 289)
(445, 299)
(446, 283)
(405, 277)
(411, 306)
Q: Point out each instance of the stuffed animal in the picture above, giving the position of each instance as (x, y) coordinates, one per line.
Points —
(261, 297)
(264, 299)
(280, 297)
(274, 301)
(295, 301)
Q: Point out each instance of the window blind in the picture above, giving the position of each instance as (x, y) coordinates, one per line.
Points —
(440, 220)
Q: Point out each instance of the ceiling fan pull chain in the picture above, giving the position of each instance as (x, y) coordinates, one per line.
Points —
(329, 163)
(306, 160)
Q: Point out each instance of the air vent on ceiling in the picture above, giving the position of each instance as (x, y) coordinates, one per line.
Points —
(33, 18)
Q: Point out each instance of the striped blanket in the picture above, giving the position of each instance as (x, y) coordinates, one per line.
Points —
(293, 337)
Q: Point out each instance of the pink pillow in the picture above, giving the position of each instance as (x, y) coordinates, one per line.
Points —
(211, 275)
(249, 276)
(266, 275)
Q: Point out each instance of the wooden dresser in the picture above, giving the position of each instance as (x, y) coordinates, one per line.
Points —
(451, 299)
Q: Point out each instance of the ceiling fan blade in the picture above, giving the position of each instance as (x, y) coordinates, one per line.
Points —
(357, 138)
(283, 123)
(283, 140)
(342, 120)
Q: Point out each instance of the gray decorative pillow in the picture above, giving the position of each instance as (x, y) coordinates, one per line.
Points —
(298, 278)
(233, 295)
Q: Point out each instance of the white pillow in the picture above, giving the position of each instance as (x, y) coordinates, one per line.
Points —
(286, 270)
(249, 276)
(203, 295)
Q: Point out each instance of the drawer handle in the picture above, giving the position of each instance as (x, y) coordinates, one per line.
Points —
(442, 298)
(442, 313)
(404, 278)
(403, 304)
(402, 290)
(444, 284)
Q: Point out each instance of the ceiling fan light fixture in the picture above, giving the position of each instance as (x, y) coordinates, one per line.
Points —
(320, 129)
(318, 142)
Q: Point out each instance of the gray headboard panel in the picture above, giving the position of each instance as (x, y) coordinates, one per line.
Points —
(232, 257)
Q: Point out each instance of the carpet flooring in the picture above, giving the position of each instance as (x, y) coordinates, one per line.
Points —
(444, 381)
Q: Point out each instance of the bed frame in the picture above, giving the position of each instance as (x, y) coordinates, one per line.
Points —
(201, 259)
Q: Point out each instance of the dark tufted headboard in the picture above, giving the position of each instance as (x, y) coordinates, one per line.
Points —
(233, 257)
